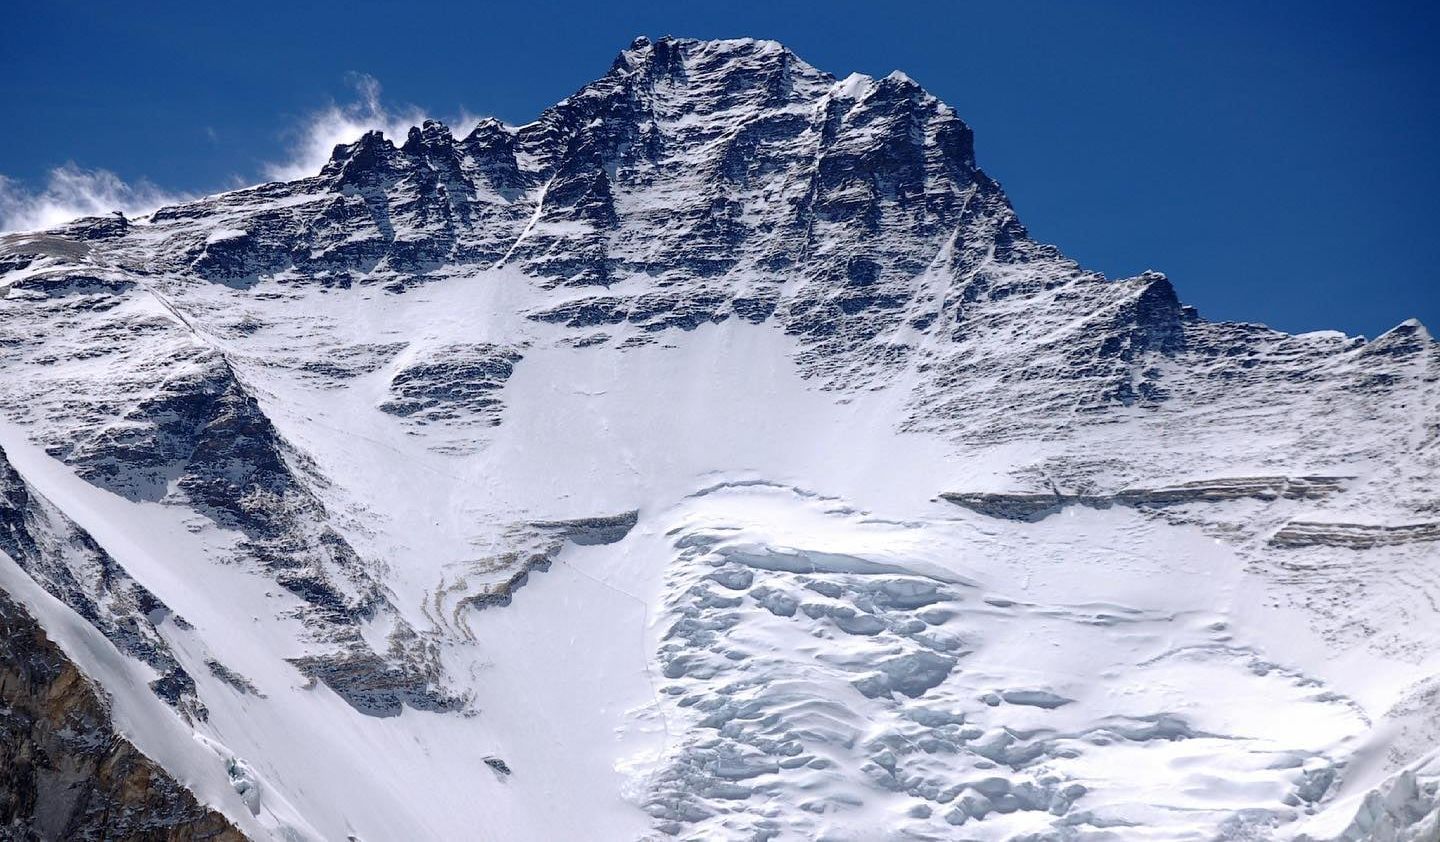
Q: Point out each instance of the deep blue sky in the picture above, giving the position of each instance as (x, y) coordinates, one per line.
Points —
(1278, 160)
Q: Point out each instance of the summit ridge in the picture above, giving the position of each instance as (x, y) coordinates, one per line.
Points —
(720, 455)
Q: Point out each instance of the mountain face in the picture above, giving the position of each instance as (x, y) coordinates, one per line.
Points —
(714, 457)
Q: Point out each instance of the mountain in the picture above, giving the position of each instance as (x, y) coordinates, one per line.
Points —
(715, 457)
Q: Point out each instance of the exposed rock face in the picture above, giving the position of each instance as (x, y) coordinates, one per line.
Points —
(297, 447)
(460, 381)
(1357, 535)
(1032, 507)
(72, 566)
(64, 772)
(588, 531)
(530, 547)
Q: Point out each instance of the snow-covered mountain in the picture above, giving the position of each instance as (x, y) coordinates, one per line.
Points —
(715, 457)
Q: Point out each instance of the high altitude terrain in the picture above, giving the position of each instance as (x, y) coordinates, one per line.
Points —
(716, 457)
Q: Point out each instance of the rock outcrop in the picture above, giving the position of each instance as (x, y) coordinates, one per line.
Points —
(64, 771)
(1033, 507)
(295, 449)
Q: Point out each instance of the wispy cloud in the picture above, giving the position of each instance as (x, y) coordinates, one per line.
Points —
(72, 191)
(316, 137)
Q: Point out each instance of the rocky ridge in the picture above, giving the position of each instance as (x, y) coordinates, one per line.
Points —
(66, 774)
(252, 363)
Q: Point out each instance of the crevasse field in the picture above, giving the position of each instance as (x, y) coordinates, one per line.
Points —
(715, 457)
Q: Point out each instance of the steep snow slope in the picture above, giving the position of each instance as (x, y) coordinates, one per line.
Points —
(715, 456)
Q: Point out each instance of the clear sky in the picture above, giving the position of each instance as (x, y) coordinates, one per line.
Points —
(1278, 160)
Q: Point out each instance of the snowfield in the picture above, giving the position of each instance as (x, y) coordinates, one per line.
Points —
(715, 457)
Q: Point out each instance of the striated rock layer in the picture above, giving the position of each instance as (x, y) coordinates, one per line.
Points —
(843, 508)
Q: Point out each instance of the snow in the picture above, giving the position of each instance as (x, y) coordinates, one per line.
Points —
(565, 678)
(798, 634)
(852, 86)
(220, 235)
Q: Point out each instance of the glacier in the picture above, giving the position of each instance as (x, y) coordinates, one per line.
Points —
(715, 457)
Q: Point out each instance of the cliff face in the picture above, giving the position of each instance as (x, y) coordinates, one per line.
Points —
(844, 508)
(64, 772)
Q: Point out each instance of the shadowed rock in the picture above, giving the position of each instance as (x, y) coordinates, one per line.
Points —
(64, 771)
(1034, 507)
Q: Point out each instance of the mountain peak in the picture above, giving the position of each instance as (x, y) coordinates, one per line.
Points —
(1410, 336)
(767, 375)
(678, 58)
(431, 135)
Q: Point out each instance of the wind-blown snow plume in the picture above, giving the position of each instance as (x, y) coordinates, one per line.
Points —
(715, 456)
(72, 191)
(316, 137)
